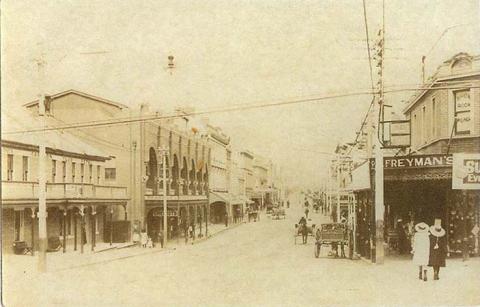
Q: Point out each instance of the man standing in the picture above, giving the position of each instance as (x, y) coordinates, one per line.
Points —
(306, 212)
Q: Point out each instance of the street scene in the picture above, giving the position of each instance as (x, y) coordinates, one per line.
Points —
(233, 153)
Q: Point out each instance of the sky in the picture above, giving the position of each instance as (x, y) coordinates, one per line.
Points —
(235, 52)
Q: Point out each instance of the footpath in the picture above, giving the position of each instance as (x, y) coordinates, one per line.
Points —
(103, 253)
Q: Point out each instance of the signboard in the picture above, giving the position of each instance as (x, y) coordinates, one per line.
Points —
(159, 212)
(395, 133)
(466, 172)
(418, 161)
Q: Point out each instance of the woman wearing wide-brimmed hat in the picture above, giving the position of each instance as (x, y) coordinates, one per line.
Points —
(438, 248)
(421, 249)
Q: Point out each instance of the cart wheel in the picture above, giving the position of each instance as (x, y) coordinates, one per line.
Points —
(317, 249)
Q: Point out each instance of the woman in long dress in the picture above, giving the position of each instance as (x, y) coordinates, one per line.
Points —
(438, 248)
(421, 249)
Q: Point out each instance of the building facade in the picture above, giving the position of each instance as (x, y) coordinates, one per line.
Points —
(80, 200)
(435, 177)
(137, 140)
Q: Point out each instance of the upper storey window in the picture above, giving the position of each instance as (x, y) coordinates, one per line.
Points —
(463, 112)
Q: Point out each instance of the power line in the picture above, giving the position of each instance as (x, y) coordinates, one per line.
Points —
(155, 117)
(368, 44)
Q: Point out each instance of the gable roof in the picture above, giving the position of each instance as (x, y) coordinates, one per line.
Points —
(78, 93)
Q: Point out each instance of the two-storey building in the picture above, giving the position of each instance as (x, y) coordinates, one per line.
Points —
(436, 176)
(80, 199)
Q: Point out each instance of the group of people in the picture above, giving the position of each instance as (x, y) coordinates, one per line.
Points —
(144, 240)
(429, 248)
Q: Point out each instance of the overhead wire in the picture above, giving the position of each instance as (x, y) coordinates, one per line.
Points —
(128, 120)
(371, 76)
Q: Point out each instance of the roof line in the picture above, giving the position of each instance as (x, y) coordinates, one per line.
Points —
(55, 151)
(431, 86)
(79, 93)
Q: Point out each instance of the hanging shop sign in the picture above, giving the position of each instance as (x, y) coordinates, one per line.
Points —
(419, 161)
(466, 172)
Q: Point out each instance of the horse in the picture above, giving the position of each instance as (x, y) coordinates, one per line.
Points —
(304, 231)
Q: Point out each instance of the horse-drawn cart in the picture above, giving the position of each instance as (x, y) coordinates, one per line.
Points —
(332, 234)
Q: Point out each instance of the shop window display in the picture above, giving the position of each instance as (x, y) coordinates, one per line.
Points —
(463, 218)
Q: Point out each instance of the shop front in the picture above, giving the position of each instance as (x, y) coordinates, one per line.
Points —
(422, 188)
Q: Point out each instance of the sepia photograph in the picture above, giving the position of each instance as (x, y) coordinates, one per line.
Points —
(240, 153)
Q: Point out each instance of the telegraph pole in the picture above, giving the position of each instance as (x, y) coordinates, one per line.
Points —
(379, 179)
(42, 182)
(164, 152)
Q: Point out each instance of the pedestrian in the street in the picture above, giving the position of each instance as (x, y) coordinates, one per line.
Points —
(438, 248)
(143, 238)
(421, 249)
(288, 204)
(306, 212)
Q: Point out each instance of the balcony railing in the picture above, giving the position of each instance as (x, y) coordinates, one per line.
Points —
(29, 190)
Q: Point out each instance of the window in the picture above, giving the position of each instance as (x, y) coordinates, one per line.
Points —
(110, 173)
(54, 170)
(90, 173)
(82, 172)
(415, 127)
(73, 171)
(18, 225)
(424, 126)
(9, 167)
(64, 171)
(434, 118)
(25, 168)
(463, 112)
(98, 174)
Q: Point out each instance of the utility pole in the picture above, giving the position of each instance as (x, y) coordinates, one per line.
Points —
(42, 180)
(164, 152)
(379, 188)
(338, 188)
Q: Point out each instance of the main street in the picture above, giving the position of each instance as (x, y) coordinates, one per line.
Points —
(255, 264)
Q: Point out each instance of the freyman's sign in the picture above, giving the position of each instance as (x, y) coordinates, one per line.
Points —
(420, 161)
(466, 172)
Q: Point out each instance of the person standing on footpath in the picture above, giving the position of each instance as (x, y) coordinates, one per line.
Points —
(438, 248)
(421, 249)
(306, 212)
